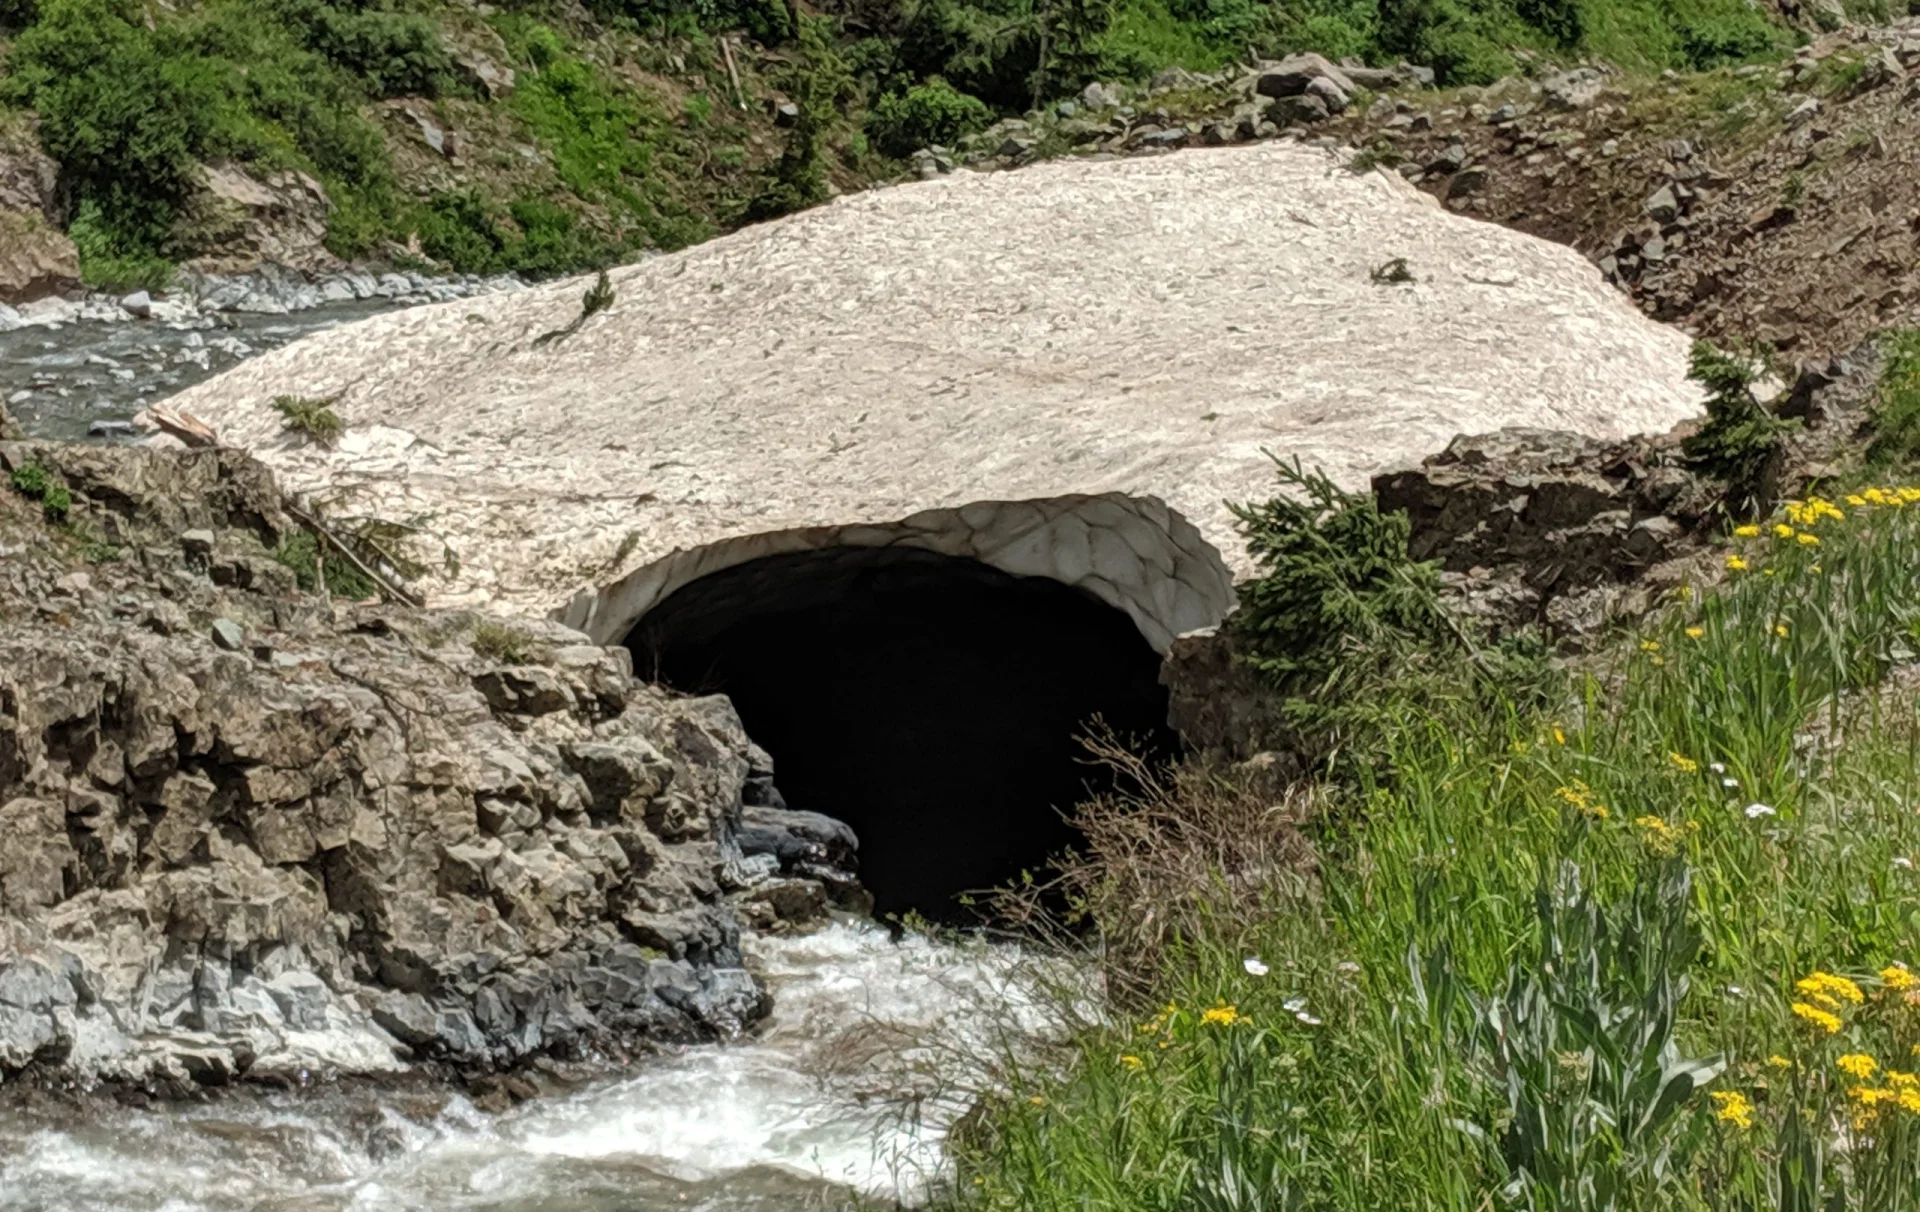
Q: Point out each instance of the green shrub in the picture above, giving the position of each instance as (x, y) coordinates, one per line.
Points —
(395, 54)
(315, 564)
(926, 114)
(1896, 412)
(820, 85)
(768, 21)
(313, 419)
(1604, 984)
(125, 120)
(503, 644)
(36, 483)
(1741, 442)
(1338, 611)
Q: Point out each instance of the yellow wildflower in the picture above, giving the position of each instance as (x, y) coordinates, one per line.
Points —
(1660, 836)
(1133, 1062)
(1780, 629)
(1580, 796)
(1779, 1062)
(1782, 531)
(1736, 564)
(1649, 645)
(1903, 1081)
(1825, 986)
(1222, 1015)
(1683, 763)
(1732, 1107)
(1810, 511)
(1036, 1100)
(1856, 500)
(1823, 1019)
(1859, 1064)
(1747, 532)
(1559, 737)
(1910, 1101)
(1898, 977)
(1694, 633)
(1809, 540)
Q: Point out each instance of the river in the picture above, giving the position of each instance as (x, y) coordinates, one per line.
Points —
(831, 1105)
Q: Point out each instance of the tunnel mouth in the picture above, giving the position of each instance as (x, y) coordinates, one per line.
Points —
(933, 703)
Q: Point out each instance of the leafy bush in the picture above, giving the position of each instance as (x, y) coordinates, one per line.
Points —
(768, 21)
(930, 113)
(1741, 443)
(125, 119)
(1896, 413)
(395, 54)
(1604, 984)
(315, 564)
(819, 85)
(36, 483)
(312, 419)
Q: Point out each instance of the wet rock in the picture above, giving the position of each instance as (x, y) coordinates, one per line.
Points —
(110, 429)
(1662, 206)
(139, 305)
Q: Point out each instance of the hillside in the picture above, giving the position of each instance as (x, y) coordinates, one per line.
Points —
(553, 136)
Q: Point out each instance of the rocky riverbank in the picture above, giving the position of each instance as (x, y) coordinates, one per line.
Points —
(84, 365)
(256, 832)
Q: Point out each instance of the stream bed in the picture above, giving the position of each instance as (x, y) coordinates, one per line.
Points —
(831, 1101)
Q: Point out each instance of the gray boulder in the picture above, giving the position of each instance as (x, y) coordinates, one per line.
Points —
(1291, 76)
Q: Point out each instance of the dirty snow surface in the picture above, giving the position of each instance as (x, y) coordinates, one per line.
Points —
(1147, 327)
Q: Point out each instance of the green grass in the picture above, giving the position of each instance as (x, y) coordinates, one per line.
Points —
(314, 420)
(1896, 414)
(1548, 956)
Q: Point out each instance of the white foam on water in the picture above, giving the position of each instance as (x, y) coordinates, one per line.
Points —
(853, 1083)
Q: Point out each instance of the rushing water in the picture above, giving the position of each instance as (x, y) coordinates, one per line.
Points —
(832, 1098)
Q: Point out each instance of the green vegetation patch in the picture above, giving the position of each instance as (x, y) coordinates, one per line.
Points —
(1649, 942)
(314, 420)
(1896, 414)
(33, 481)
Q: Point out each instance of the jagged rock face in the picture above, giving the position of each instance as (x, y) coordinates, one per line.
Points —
(252, 831)
(237, 222)
(36, 257)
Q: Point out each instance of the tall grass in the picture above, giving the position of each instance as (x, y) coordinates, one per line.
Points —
(1641, 948)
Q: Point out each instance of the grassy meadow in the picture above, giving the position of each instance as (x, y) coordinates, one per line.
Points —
(1638, 936)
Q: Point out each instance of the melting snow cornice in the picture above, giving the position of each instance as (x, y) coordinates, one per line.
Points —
(1065, 371)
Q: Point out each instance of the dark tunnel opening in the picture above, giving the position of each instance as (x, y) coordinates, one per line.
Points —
(933, 703)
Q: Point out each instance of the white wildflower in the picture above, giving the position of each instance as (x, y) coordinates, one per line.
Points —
(1756, 810)
(1253, 966)
(1903, 862)
(1729, 781)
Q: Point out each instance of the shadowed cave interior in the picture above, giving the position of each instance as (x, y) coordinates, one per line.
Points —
(931, 702)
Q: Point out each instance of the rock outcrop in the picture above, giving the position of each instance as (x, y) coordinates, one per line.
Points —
(36, 257)
(960, 364)
(236, 223)
(252, 831)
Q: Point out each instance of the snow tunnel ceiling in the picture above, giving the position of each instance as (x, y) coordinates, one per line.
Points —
(934, 703)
